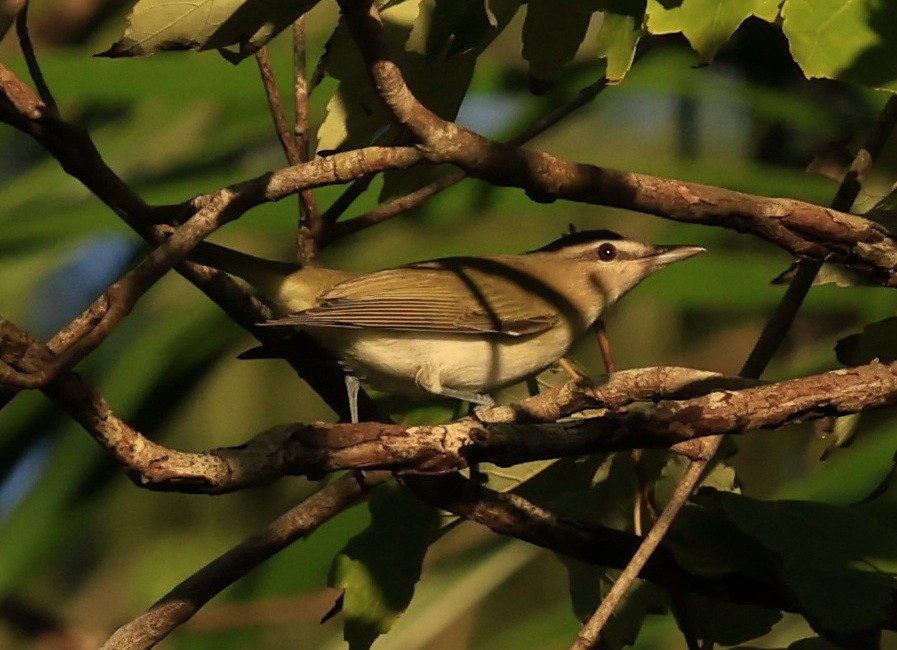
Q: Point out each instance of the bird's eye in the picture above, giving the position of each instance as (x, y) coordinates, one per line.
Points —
(607, 252)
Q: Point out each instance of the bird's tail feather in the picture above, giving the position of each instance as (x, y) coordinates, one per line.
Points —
(263, 274)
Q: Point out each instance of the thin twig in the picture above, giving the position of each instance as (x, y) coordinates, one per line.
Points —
(275, 104)
(31, 59)
(312, 229)
(569, 369)
(590, 632)
(397, 206)
(85, 333)
(182, 602)
(780, 322)
(343, 201)
(300, 89)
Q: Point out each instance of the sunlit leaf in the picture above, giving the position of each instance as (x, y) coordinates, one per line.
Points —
(768, 10)
(851, 41)
(707, 24)
(379, 567)
(242, 26)
(621, 30)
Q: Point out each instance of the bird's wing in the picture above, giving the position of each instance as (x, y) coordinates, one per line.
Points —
(435, 299)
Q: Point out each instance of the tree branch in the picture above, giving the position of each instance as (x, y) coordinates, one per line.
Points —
(804, 229)
(182, 602)
(510, 514)
(315, 449)
(418, 196)
(275, 105)
(93, 326)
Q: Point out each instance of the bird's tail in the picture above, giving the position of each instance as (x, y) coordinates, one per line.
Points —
(265, 275)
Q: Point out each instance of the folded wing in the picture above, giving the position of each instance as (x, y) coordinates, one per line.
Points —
(428, 298)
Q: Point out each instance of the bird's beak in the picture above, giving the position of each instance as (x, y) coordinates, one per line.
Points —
(665, 255)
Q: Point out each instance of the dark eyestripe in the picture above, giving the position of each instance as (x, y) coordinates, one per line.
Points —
(581, 237)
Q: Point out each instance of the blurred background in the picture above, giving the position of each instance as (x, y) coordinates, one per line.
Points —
(84, 550)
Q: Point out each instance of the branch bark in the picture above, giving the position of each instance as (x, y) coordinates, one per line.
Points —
(315, 449)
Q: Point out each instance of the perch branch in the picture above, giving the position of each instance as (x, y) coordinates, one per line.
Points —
(315, 449)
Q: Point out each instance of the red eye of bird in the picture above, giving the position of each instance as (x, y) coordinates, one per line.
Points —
(607, 252)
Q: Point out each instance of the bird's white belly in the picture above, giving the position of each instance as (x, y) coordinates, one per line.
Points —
(415, 362)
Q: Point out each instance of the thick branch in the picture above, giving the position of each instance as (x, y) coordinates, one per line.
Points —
(315, 449)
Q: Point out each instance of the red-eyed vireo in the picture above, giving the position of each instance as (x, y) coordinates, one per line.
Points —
(456, 327)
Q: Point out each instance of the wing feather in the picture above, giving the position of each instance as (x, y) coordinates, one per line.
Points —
(456, 299)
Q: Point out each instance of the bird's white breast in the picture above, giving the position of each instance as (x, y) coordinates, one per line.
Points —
(415, 362)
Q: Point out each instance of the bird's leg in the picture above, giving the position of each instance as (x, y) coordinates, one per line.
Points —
(427, 377)
(352, 388)
(473, 398)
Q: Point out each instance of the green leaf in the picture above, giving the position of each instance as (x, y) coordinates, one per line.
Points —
(812, 546)
(720, 622)
(379, 567)
(590, 584)
(505, 479)
(768, 10)
(707, 24)
(851, 41)
(157, 25)
(621, 30)
(438, 74)
(813, 643)
(459, 26)
(849, 475)
(876, 341)
(552, 34)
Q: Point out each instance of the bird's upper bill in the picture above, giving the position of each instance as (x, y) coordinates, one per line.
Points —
(665, 255)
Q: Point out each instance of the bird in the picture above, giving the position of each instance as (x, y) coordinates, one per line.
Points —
(456, 327)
